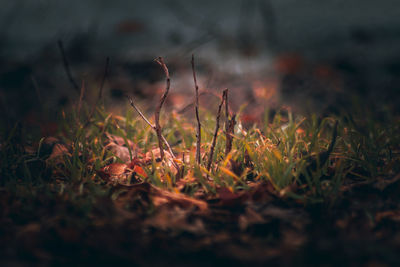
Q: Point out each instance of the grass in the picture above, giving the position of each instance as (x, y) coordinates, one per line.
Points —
(284, 152)
(60, 211)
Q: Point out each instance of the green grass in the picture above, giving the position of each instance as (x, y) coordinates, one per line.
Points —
(285, 152)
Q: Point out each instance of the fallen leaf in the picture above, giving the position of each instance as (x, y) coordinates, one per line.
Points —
(139, 170)
(393, 215)
(226, 197)
(121, 152)
(168, 159)
(249, 218)
(115, 172)
(117, 145)
(175, 218)
(164, 197)
(121, 141)
(57, 153)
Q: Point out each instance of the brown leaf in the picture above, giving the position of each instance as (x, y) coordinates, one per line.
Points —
(226, 197)
(175, 218)
(393, 215)
(120, 141)
(115, 172)
(121, 152)
(261, 192)
(57, 153)
(249, 218)
(168, 159)
(119, 147)
(164, 197)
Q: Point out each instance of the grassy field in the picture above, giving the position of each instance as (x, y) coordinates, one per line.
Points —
(292, 188)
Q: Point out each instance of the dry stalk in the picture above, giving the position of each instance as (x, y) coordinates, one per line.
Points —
(103, 80)
(82, 93)
(100, 92)
(229, 126)
(198, 132)
(214, 141)
(66, 66)
(37, 90)
(154, 128)
(201, 93)
(160, 61)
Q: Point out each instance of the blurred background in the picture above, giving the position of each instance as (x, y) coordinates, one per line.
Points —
(311, 55)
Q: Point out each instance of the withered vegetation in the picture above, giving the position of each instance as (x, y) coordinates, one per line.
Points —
(118, 189)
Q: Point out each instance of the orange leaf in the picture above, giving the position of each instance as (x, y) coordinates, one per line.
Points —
(139, 170)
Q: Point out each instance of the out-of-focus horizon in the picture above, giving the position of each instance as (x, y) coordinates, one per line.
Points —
(307, 49)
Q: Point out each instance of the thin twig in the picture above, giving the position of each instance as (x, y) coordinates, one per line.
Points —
(198, 133)
(82, 93)
(214, 141)
(201, 93)
(66, 66)
(100, 91)
(154, 128)
(160, 61)
(37, 90)
(140, 113)
(103, 80)
(229, 126)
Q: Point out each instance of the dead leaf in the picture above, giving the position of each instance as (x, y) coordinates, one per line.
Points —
(121, 152)
(249, 218)
(115, 172)
(57, 153)
(119, 147)
(175, 218)
(393, 215)
(226, 197)
(121, 141)
(168, 159)
(164, 197)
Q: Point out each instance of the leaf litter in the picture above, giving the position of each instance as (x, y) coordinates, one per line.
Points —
(278, 195)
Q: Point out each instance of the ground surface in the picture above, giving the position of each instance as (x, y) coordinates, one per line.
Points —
(64, 202)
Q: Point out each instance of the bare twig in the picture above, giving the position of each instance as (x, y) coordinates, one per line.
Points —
(82, 93)
(154, 128)
(201, 93)
(229, 136)
(103, 80)
(66, 66)
(100, 92)
(214, 141)
(140, 113)
(229, 126)
(160, 61)
(37, 90)
(198, 132)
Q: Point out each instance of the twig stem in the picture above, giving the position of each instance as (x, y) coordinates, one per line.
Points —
(198, 132)
(82, 93)
(66, 66)
(154, 128)
(100, 92)
(214, 141)
(160, 61)
(229, 126)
